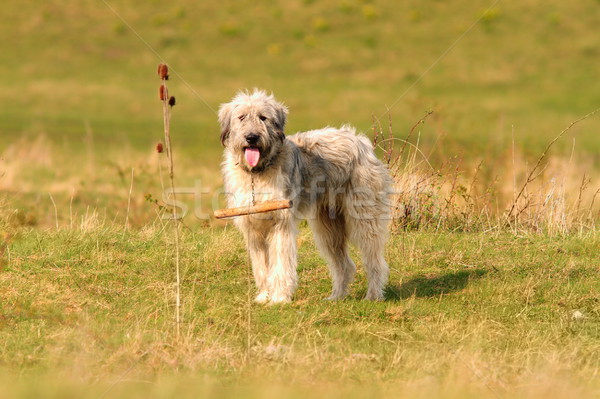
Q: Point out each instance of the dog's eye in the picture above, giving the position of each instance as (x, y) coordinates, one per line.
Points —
(242, 117)
(262, 118)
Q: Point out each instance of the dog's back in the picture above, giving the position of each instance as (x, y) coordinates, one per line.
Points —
(349, 155)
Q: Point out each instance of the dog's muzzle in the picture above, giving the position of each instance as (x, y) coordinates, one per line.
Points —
(252, 138)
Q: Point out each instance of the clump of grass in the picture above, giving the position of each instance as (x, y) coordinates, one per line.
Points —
(455, 197)
(231, 29)
(321, 24)
(490, 17)
(521, 202)
(370, 12)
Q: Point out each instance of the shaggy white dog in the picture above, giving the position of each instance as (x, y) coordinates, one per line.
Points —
(334, 180)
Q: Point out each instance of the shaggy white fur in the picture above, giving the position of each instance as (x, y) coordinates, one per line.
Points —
(334, 180)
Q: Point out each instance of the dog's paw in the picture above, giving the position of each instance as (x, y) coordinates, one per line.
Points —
(374, 296)
(335, 297)
(262, 297)
(279, 298)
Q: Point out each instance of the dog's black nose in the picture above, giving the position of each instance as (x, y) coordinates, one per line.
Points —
(252, 138)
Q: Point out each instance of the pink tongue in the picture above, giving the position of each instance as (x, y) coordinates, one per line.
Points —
(252, 156)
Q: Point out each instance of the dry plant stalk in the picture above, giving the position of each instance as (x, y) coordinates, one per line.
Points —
(448, 197)
(168, 102)
(267, 206)
(531, 176)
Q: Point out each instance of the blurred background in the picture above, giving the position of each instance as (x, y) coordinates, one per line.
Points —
(80, 113)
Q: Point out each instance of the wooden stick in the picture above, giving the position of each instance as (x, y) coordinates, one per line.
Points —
(267, 206)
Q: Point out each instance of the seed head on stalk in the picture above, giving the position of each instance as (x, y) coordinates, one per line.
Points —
(163, 71)
(168, 103)
(162, 93)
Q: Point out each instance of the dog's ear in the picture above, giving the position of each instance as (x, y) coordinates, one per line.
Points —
(225, 121)
(281, 112)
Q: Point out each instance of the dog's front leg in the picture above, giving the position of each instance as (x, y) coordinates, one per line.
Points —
(258, 250)
(283, 277)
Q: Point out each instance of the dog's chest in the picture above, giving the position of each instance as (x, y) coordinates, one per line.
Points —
(244, 190)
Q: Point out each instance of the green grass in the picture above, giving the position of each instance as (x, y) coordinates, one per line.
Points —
(87, 310)
(477, 314)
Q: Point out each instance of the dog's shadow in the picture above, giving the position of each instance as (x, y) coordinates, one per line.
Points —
(426, 286)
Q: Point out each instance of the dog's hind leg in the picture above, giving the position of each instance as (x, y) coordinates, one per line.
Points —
(368, 223)
(329, 231)
(375, 265)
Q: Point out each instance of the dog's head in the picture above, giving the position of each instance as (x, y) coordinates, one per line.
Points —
(252, 128)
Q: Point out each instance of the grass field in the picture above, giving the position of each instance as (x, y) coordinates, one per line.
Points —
(479, 304)
(466, 314)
